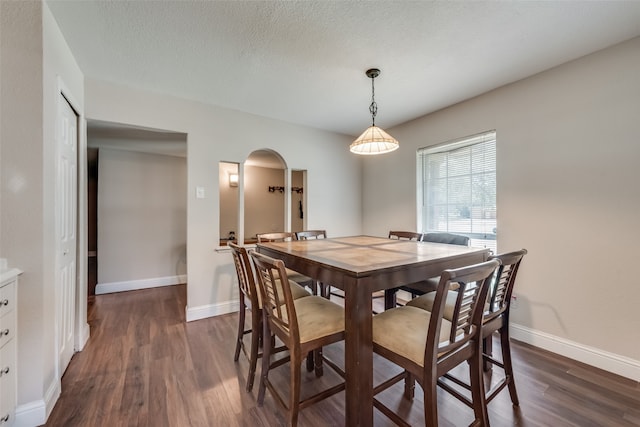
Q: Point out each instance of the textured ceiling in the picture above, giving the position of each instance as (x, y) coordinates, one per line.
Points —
(304, 62)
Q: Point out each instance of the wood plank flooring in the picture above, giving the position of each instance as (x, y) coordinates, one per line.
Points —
(145, 366)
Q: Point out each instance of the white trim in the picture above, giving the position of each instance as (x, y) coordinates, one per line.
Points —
(31, 414)
(132, 285)
(211, 310)
(37, 412)
(601, 359)
(226, 248)
(83, 336)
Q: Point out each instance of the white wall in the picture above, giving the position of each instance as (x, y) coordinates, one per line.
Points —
(567, 191)
(23, 181)
(216, 134)
(142, 219)
(36, 65)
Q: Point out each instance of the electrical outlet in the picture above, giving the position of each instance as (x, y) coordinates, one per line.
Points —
(514, 302)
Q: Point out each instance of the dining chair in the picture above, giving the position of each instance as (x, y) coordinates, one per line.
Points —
(285, 236)
(448, 238)
(251, 301)
(311, 234)
(405, 235)
(428, 285)
(322, 289)
(304, 325)
(495, 319)
(390, 294)
(280, 236)
(433, 345)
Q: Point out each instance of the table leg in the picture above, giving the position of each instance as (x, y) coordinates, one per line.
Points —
(358, 353)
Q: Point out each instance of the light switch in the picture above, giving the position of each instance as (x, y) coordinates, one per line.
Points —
(199, 192)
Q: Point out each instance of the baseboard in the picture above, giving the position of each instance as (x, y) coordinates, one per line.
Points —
(37, 412)
(132, 285)
(610, 362)
(211, 310)
(83, 336)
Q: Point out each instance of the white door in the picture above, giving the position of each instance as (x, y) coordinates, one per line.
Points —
(66, 214)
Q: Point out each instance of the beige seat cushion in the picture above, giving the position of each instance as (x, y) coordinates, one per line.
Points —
(425, 302)
(403, 330)
(318, 317)
(298, 291)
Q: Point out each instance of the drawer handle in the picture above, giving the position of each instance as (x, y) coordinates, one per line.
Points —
(4, 419)
(5, 371)
(5, 332)
(4, 302)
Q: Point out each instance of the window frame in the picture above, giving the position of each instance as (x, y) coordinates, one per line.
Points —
(488, 239)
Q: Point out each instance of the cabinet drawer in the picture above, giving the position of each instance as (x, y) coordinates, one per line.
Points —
(7, 329)
(8, 383)
(7, 298)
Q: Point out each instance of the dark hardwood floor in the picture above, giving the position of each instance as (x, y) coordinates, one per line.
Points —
(145, 366)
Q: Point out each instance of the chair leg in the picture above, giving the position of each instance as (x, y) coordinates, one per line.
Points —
(505, 344)
(310, 362)
(266, 357)
(477, 388)
(325, 290)
(255, 344)
(317, 356)
(431, 402)
(294, 397)
(241, 319)
(409, 386)
(487, 348)
(389, 298)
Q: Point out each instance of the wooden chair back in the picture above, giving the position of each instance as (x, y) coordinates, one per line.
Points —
(448, 238)
(283, 236)
(249, 300)
(311, 234)
(474, 282)
(447, 344)
(405, 235)
(277, 301)
(246, 281)
(502, 289)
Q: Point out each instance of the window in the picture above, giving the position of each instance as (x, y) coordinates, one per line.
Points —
(457, 189)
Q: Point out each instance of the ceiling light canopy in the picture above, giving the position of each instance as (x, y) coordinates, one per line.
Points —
(373, 140)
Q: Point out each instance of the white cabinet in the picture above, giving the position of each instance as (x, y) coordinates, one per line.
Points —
(8, 345)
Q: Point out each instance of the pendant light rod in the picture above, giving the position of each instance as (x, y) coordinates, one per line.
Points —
(373, 140)
(372, 73)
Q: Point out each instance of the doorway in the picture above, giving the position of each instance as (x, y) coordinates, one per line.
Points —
(92, 221)
(137, 203)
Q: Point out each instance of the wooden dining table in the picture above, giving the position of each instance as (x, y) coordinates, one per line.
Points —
(360, 266)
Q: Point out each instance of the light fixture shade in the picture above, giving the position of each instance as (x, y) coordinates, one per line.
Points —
(374, 141)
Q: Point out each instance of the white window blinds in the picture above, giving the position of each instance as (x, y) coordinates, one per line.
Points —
(457, 183)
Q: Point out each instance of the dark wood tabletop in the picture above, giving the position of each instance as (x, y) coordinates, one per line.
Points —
(361, 265)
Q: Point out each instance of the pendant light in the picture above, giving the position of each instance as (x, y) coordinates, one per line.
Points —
(373, 140)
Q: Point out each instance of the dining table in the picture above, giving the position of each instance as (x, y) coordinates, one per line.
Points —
(360, 266)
